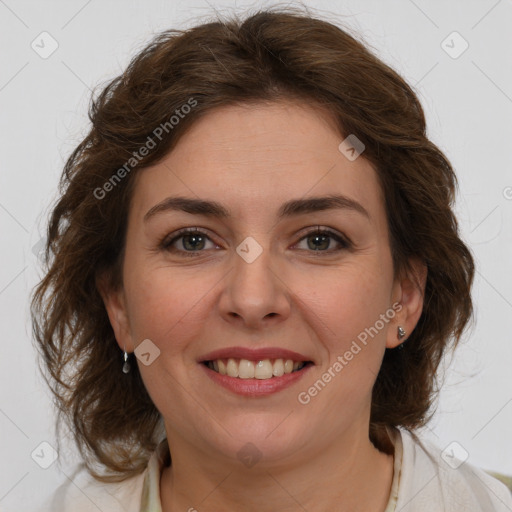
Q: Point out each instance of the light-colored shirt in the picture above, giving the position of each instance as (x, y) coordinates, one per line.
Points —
(425, 479)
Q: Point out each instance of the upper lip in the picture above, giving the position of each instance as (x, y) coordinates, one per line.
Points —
(254, 354)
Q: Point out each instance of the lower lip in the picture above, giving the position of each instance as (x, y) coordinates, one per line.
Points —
(256, 387)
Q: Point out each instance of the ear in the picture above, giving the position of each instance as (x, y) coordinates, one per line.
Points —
(115, 304)
(408, 291)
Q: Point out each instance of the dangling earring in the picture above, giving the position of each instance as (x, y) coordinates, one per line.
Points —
(401, 335)
(126, 365)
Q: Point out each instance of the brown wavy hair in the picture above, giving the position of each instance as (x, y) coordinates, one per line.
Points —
(271, 55)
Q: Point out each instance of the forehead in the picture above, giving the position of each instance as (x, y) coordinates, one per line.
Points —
(255, 157)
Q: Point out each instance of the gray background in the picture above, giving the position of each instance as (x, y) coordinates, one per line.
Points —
(468, 102)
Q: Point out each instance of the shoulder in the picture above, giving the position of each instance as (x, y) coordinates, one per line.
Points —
(83, 493)
(435, 479)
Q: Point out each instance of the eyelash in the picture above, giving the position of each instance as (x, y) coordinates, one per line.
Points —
(166, 243)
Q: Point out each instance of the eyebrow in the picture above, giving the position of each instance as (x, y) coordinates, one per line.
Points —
(291, 208)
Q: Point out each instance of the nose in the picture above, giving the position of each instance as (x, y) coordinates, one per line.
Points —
(255, 294)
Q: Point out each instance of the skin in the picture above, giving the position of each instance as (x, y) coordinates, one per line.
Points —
(318, 456)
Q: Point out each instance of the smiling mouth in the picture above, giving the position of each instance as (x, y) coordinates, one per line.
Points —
(263, 369)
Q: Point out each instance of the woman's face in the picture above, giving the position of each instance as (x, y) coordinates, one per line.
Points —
(258, 277)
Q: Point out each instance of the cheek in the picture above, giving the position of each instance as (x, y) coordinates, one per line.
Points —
(349, 310)
(166, 306)
(354, 295)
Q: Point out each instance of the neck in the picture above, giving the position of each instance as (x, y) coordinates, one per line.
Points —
(351, 475)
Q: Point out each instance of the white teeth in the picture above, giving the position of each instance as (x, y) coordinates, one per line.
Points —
(232, 368)
(246, 369)
(278, 368)
(222, 366)
(263, 369)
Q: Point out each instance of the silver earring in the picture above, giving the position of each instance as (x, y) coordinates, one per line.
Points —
(126, 365)
(401, 335)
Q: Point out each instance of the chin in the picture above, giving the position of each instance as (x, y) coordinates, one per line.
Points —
(262, 437)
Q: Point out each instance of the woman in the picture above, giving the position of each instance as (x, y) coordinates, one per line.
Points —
(254, 273)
